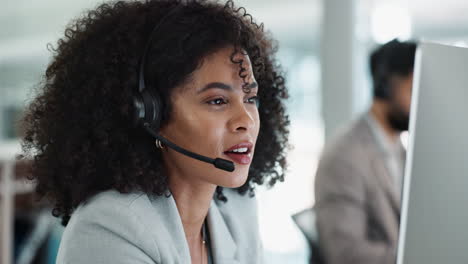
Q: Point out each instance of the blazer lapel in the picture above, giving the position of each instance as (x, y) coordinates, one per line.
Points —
(223, 247)
(386, 182)
(175, 229)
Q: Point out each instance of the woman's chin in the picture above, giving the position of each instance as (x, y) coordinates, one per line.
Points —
(234, 181)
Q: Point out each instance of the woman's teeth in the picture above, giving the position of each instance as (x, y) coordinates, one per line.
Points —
(239, 150)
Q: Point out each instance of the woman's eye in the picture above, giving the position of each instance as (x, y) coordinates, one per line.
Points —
(217, 101)
(253, 100)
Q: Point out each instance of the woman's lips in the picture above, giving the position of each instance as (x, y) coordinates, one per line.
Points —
(239, 158)
(240, 153)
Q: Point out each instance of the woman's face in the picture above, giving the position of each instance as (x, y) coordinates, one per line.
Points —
(213, 116)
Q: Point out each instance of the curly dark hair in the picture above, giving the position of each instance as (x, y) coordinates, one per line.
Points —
(79, 128)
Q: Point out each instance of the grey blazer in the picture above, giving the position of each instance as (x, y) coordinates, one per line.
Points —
(357, 203)
(135, 228)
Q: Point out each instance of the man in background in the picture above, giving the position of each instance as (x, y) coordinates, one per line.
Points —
(359, 178)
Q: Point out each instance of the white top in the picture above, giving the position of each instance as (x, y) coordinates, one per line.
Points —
(393, 151)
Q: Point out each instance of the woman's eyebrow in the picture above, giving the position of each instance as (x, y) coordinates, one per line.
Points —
(223, 86)
(215, 85)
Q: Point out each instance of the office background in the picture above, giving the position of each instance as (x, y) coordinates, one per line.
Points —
(323, 46)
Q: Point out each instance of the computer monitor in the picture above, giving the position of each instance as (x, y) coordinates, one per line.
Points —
(434, 219)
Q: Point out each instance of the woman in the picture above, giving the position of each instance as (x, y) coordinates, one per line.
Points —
(198, 74)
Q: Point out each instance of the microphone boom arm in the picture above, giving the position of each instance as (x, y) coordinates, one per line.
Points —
(219, 163)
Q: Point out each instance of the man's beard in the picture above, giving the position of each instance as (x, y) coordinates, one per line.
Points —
(397, 118)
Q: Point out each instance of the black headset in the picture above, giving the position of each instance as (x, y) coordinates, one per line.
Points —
(148, 106)
(382, 84)
(382, 77)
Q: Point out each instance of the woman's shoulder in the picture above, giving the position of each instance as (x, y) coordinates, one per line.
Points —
(110, 209)
(112, 199)
(109, 224)
(109, 204)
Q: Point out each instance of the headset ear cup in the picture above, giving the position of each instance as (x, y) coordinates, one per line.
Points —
(147, 109)
(382, 89)
(152, 105)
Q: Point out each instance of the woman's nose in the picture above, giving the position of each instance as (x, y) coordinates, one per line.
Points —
(243, 118)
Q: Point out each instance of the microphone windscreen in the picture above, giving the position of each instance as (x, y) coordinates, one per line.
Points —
(224, 164)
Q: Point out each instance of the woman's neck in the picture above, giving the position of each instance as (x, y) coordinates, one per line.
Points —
(193, 202)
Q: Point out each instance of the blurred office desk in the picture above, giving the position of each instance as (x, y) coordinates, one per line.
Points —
(24, 222)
